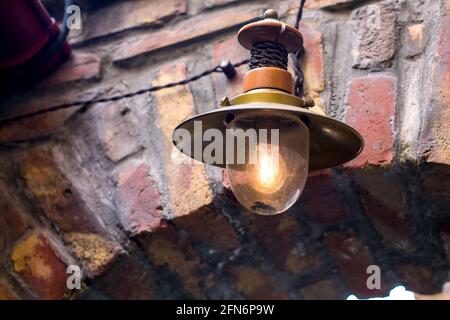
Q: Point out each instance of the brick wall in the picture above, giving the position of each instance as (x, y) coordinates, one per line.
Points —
(97, 188)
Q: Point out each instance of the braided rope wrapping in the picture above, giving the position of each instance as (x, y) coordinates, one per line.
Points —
(268, 54)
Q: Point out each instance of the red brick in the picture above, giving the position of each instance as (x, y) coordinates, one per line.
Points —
(127, 279)
(255, 284)
(142, 210)
(383, 199)
(166, 248)
(139, 14)
(322, 201)
(187, 30)
(35, 261)
(434, 141)
(209, 227)
(353, 258)
(81, 66)
(371, 106)
(375, 35)
(330, 4)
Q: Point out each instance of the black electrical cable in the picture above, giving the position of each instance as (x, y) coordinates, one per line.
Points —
(117, 97)
(297, 57)
(280, 61)
(54, 46)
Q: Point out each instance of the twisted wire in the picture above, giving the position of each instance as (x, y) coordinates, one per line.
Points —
(297, 57)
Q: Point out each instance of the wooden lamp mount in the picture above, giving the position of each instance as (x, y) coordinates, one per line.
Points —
(270, 42)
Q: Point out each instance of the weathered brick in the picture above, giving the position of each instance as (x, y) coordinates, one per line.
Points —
(209, 227)
(55, 194)
(37, 264)
(330, 4)
(303, 258)
(435, 183)
(445, 236)
(117, 129)
(255, 284)
(434, 141)
(210, 4)
(384, 202)
(371, 107)
(321, 200)
(63, 205)
(353, 259)
(226, 180)
(279, 236)
(166, 248)
(418, 279)
(135, 14)
(187, 183)
(142, 210)
(313, 65)
(187, 30)
(12, 222)
(80, 66)
(127, 279)
(414, 40)
(96, 251)
(326, 289)
(6, 291)
(375, 35)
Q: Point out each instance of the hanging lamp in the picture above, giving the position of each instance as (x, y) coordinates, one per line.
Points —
(267, 138)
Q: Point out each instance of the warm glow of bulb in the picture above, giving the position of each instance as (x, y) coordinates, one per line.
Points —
(268, 172)
(270, 169)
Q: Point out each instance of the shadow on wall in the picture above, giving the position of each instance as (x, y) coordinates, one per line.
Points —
(345, 221)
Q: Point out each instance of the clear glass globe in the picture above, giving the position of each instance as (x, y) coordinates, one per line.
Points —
(268, 175)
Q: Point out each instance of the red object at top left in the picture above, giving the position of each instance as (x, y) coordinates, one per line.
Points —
(29, 39)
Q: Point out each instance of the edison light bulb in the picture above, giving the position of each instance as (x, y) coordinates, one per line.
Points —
(267, 175)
